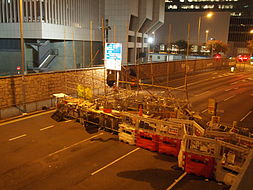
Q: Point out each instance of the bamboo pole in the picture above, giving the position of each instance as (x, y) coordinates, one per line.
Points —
(104, 41)
(74, 49)
(169, 39)
(168, 72)
(114, 33)
(83, 56)
(91, 55)
(152, 72)
(64, 61)
(22, 53)
(127, 31)
(186, 63)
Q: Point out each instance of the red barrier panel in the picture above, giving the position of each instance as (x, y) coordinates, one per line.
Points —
(147, 140)
(199, 165)
(169, 146)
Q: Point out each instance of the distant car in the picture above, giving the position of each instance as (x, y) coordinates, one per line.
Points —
(243, 57)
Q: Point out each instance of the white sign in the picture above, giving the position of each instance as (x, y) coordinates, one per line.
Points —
(113, 56)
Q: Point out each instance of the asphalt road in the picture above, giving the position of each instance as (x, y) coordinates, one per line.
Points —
(40, 153)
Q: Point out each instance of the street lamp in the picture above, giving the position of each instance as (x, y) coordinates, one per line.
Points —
(208, 15)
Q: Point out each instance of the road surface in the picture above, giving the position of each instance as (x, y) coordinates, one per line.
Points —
(40, 153)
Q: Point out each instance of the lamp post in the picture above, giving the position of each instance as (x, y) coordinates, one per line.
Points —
(208, 15)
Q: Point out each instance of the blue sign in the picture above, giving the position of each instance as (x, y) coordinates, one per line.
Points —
(113, 56)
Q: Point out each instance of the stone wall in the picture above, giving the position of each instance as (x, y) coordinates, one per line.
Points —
(38, 87)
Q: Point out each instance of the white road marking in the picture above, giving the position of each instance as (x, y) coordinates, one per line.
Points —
(67, 121)
(202, 93)
(234, 83)
(23, 118)
(204, 111)
(246, 115)
(18, 137)
(106, 166)
(58, 151)
(229, 98)
(49, 127)
(176, 181)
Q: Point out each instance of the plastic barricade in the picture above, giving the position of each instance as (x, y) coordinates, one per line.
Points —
(169, 146)
(126, 134)
(199, 165)
(147, 140)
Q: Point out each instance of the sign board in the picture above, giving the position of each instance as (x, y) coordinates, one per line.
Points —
(18, 68)
(211, 106)
(113, 56)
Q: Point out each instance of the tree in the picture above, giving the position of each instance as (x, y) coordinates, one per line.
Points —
(182, 45)
(217, 46)
(250, 45)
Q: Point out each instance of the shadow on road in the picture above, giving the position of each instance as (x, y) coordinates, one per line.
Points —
(104, 140)
(159, 179)
(164, 157)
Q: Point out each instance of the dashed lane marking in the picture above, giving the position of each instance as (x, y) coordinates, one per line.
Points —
(228, 89)
(106, 166)
(204, 111)
(202, 93)
(229, 98)
(49, 127)
(176, 181)
(61, 150)
(18, 137)
(246, 115)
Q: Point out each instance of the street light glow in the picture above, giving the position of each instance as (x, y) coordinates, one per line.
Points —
(207, 31)
(150, 40)
(209, 15)
(251, 31)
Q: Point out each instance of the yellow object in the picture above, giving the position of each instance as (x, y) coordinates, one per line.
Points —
(84, 92)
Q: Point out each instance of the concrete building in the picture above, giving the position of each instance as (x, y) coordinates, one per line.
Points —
(66, 34)
(241, 21)
(176, 24)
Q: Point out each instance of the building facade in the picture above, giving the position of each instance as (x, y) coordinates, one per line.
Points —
(241, 21)
(67, 34)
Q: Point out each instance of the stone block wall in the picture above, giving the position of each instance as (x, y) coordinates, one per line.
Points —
(38, 87)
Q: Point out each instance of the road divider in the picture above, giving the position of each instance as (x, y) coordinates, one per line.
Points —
(18, 137)
(61, 150)
(106, 166)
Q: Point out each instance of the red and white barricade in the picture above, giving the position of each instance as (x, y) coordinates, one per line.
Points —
(170, 136)
(198, 156)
